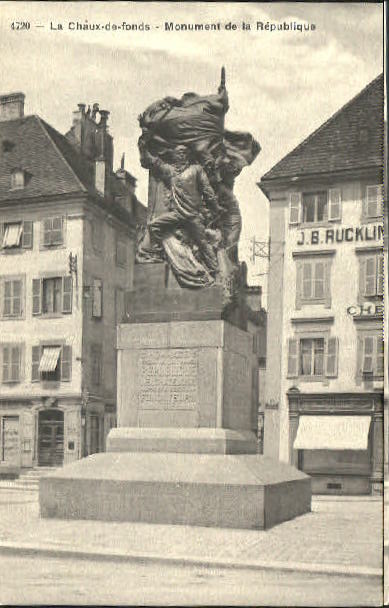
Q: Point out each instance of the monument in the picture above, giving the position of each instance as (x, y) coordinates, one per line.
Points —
(185, 448)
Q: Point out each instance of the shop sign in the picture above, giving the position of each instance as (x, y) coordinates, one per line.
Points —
(330, 236)
(365, 310)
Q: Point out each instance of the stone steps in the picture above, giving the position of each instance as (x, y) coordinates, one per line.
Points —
(28, 480)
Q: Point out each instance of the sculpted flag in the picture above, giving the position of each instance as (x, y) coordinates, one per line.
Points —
(198, 123)
(192, 158)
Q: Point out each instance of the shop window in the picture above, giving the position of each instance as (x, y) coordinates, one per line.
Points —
(16, 235)
(315, 207)
(96, 363)
(51, 363)
(11, 355)
(373, 202)
(371, 275)
(52, 295)
(12, 297)
(313, 282)
(312, 357)
(52, 232)
(370, 356)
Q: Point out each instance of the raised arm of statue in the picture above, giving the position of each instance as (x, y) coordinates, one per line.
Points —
(161, 170)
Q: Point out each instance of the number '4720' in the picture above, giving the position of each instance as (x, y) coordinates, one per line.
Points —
(20, 25)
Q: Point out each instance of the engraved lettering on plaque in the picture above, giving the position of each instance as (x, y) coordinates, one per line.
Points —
(168, 380)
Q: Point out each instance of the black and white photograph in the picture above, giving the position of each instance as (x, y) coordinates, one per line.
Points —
(193, 304)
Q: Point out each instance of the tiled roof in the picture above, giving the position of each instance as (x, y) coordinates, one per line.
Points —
(351, 139)
(52, 166)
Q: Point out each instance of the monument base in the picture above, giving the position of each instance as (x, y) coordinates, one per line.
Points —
(245, 491)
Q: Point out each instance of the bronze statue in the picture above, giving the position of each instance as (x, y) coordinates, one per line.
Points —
(194, 220)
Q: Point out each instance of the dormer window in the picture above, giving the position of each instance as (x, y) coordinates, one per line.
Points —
(18, 179)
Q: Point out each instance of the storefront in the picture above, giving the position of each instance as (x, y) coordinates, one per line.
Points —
(337, 440)
(51, 432)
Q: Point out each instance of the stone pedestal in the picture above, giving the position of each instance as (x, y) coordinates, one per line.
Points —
(184, 451)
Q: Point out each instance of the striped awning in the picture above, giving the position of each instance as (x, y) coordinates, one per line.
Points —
(49, 358)
(332, 433)
(12, 235)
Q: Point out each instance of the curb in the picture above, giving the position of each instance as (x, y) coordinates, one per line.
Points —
(28, 549)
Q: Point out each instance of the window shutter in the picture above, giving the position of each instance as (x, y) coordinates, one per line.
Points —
(6, 364)
(97, 302)
(35, 360)
(294, 207)
(327, 283)
(57, 231)
(47, 227)
(320, 271)
(67, 292)
(379, 363)
(370, 276)
(380, 275)
(7, 297)
(66, 363)
(307, 280)
(332, 357)
(299, 285)
(36, 296)
(16, 298)
(27, 234)
(335, 204)
(15, 363)
(369, 347)
(292, 358)
(373, 201)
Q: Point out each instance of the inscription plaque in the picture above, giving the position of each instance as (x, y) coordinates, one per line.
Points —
(168, 380)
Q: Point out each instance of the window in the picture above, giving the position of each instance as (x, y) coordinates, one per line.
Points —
(312, 357)
(96, 363)
(313, 281)
(16, 235)
(97, 298)
(371, 279)
(373, 202)
(17, 179)
(52, 295)
(52, 231)
(121, 252)
(12, 297)
(11, 363)
(51, 363)
(370, 356)
(119, 305)
(315, 207)
(97, 234)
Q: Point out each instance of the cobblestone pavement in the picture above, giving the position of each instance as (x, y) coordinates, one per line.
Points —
(346, 533)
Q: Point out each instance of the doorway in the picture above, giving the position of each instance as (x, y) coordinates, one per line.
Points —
(51, 438)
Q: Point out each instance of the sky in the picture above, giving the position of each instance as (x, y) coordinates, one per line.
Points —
(282, 85)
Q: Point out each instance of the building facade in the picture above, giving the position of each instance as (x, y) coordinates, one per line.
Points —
(66, 258)
(325, 360)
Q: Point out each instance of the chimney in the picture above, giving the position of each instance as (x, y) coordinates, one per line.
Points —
(104, 154)
(11, 106)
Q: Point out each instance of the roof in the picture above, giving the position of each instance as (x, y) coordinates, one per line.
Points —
(52, 164)
(350, 139)
(42, 153)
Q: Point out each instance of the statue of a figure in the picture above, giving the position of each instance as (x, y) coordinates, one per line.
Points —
(194, 221)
